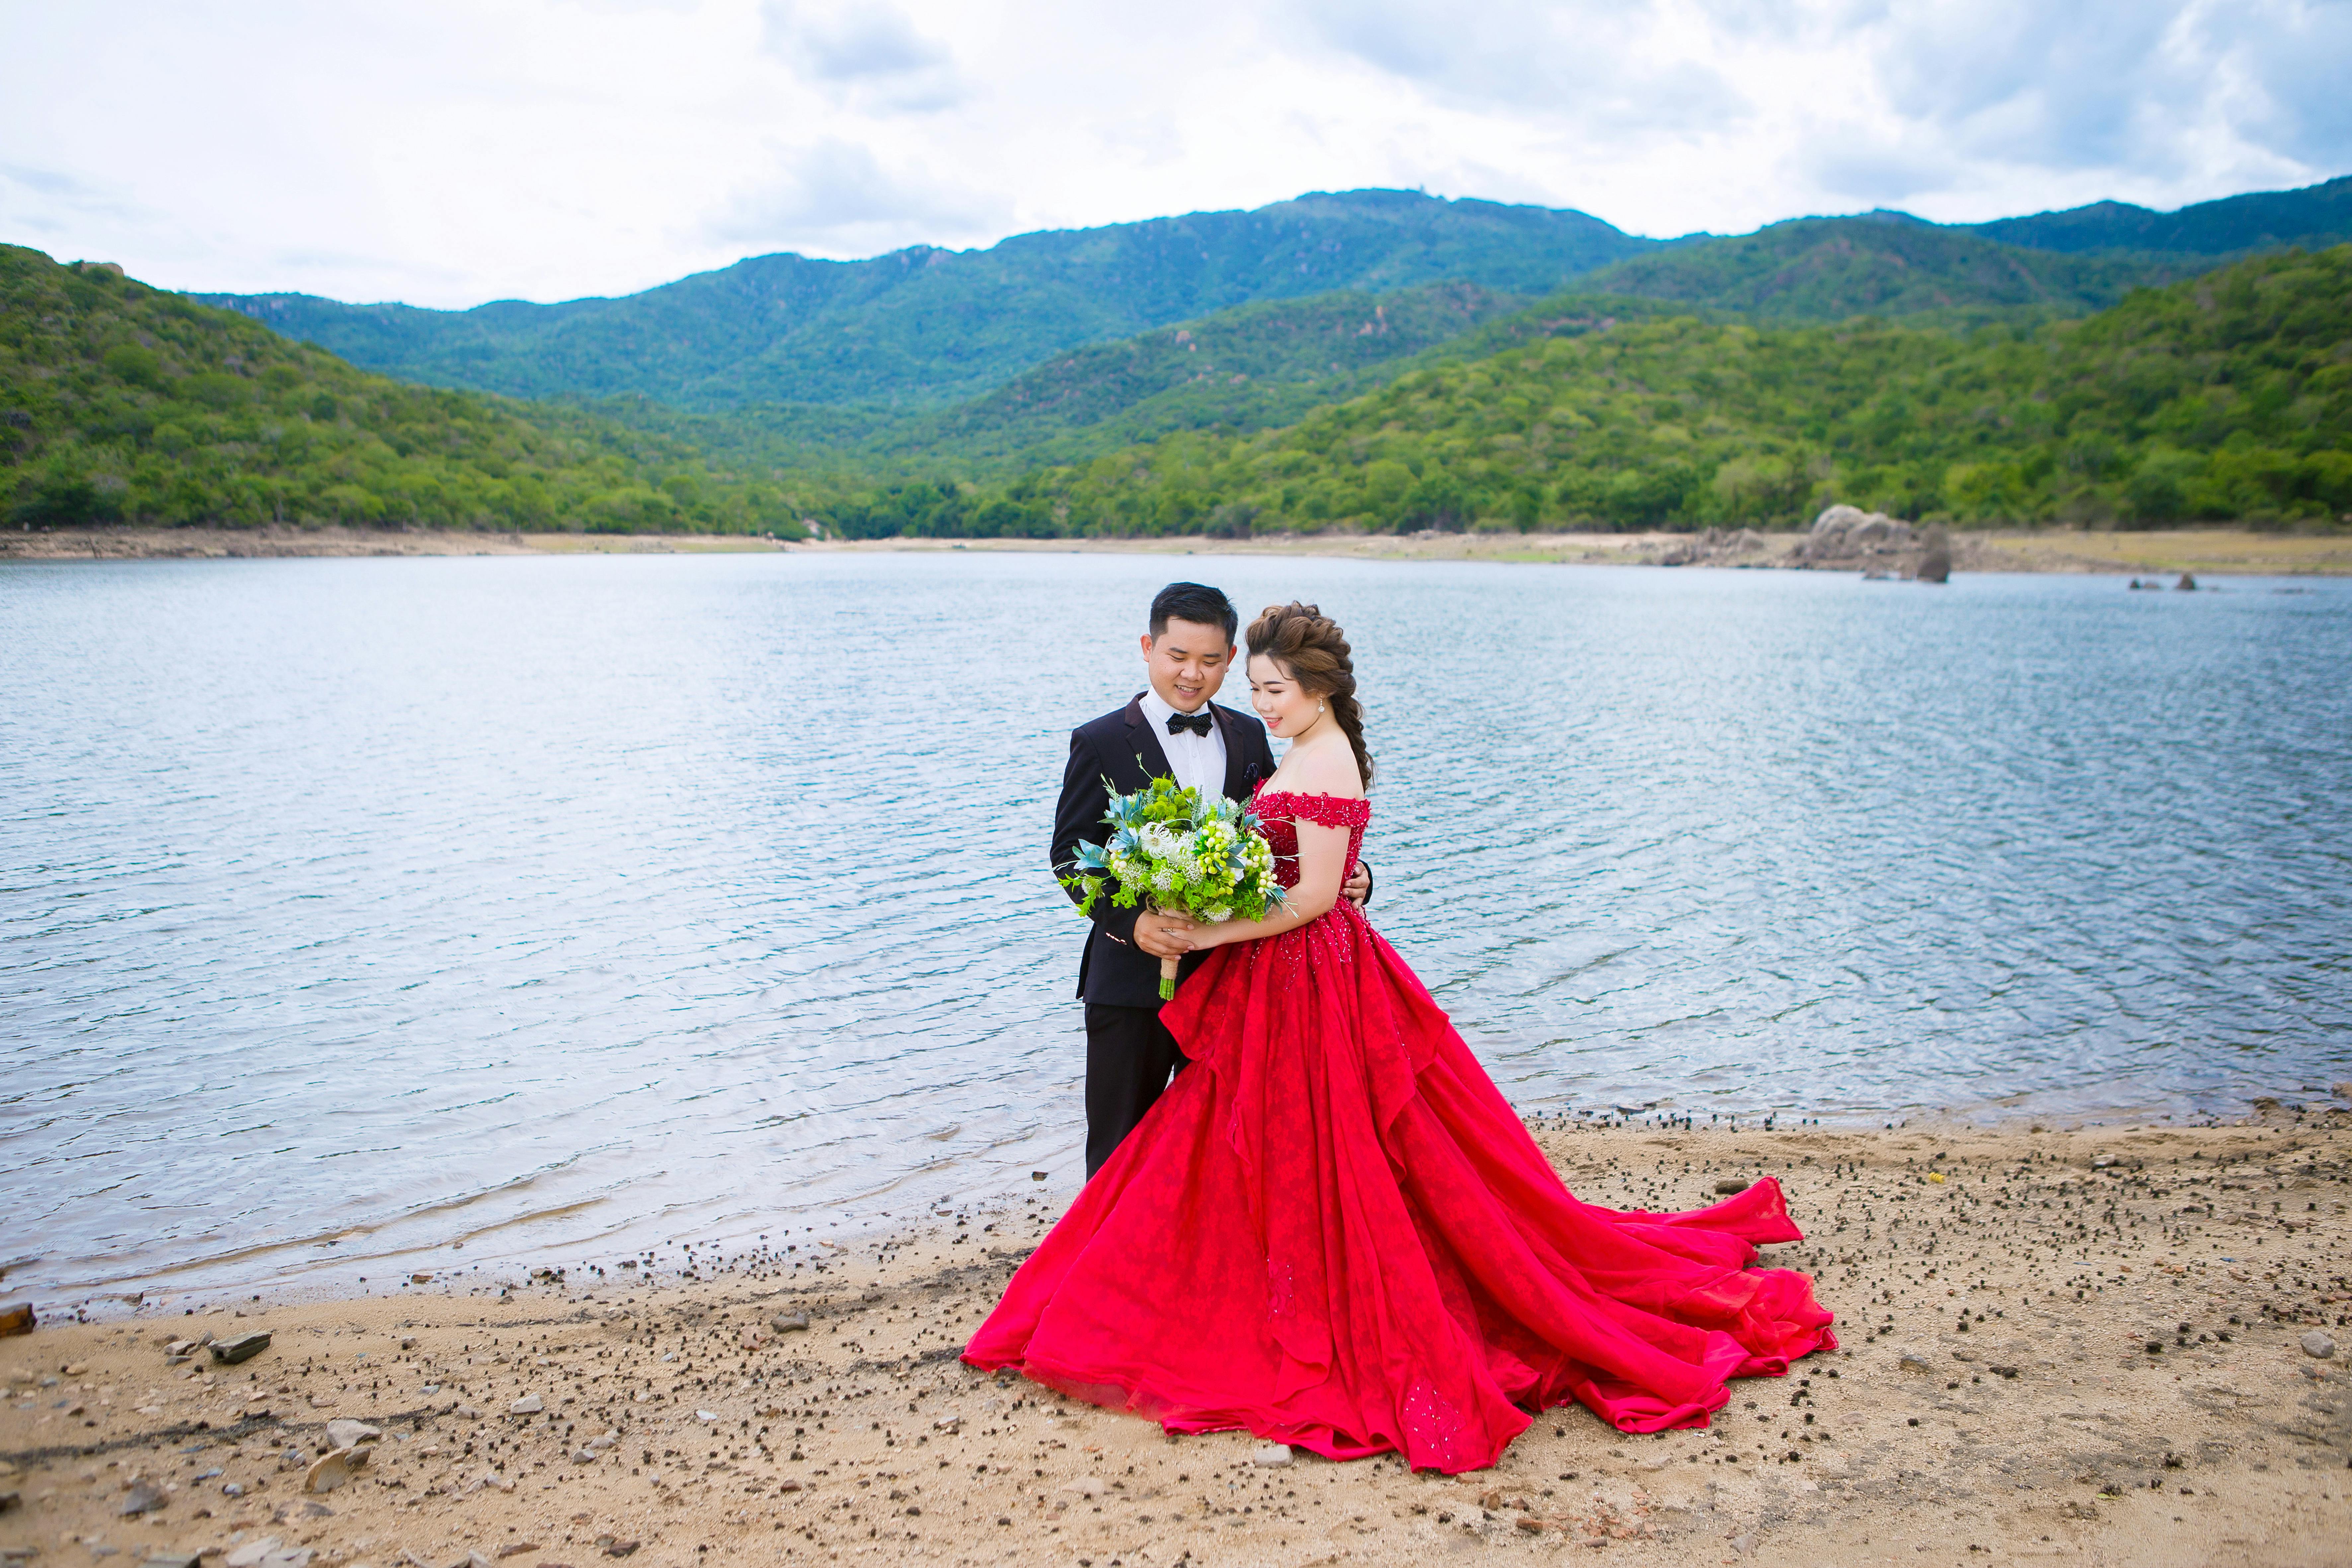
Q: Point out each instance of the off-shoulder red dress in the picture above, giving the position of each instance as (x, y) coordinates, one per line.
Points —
(1334, 1232)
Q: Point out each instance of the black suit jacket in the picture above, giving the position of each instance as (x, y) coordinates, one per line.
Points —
(1120, 746)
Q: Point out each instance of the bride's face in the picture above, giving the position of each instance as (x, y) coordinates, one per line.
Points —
(1288, 710)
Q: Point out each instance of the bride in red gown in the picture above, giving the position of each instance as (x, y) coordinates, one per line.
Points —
(1332, 1230)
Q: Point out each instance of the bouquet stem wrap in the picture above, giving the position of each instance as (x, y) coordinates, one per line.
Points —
(1203, 857)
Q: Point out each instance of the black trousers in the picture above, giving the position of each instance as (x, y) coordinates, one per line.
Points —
(1130, 1059)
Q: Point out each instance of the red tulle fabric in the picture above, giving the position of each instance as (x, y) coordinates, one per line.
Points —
(1334, 1232)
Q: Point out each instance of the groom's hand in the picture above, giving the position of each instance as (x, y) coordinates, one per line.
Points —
(1357, 887)
(1163, 936)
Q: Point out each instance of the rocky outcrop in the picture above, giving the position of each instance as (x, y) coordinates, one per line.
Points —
(1848, 539)
(1845, 533)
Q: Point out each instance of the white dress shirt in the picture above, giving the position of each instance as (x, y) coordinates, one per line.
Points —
(1198, 761)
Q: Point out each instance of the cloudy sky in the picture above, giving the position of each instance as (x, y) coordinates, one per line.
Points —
(448, 152)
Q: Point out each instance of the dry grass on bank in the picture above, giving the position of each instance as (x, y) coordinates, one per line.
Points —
(2080, 1346)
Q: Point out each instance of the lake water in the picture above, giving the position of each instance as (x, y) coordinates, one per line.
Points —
(363, 916)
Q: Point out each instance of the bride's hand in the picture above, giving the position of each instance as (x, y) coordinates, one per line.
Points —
(1199, 936)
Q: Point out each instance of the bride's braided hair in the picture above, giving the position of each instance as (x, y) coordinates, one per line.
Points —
(1312, 650)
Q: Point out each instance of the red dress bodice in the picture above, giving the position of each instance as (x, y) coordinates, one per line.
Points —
(1280, 812)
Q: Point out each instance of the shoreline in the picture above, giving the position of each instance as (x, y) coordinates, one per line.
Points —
(173, 1288)
(2047, 1427)
(2204, 552)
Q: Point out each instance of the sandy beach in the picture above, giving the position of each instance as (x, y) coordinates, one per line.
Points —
(2203, 552)
(2098, 1345)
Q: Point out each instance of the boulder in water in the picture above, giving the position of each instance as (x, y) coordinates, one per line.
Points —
(1936, 560)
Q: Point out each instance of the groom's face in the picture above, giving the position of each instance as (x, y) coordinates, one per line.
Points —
(1187, 663)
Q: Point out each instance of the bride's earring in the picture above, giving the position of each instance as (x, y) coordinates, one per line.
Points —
(1318, 707)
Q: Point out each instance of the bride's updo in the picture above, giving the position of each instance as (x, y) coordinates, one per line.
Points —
(1313, 651)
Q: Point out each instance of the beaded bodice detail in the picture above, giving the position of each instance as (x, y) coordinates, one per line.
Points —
(1280, 810)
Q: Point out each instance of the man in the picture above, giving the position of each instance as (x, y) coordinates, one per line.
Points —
(1171, 730)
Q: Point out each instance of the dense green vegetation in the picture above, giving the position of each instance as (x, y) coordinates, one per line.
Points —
(2228, 397)
(929, 327)
(1249, 368)
(1830, 269)
(119, 403)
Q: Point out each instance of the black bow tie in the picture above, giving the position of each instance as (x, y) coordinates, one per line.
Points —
(1199, 723)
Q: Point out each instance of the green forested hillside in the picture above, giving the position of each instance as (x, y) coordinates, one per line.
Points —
(1829, 270)
(119, 402)
(2227, 397)
(1248, 368)
(926, 326)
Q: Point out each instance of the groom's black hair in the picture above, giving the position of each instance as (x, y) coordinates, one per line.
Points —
(1197, 603)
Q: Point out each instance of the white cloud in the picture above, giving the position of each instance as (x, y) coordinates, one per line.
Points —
(448, 152)
(835, 196)
(1594, 65)
(871, 54)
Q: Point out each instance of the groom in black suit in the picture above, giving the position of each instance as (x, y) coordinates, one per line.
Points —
(1171, 730)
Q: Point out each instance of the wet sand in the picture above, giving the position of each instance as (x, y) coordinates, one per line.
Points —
(2204, 552)
(2079, 1345)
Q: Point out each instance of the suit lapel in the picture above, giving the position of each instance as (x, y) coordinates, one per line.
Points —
(1243, 771)
(1143, 743)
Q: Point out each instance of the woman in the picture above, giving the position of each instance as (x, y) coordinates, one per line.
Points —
(1331, 1229)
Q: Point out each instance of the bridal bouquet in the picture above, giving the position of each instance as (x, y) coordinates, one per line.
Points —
(1202, 859)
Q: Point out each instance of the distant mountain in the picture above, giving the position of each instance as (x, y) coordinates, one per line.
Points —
(2313, 217)
(926, 326)
(1048, 336)
(1827, 270)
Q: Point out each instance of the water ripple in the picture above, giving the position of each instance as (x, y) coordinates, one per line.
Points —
(363, 916)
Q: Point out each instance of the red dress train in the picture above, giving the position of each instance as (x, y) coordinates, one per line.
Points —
(1334, 1232)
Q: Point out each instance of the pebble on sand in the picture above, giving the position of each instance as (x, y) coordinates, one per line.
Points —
(345, 1433)
(245, 1347)
(2316, 1344)
(332, 1470)
(529, 1405)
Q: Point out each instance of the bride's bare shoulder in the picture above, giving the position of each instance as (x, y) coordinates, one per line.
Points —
(1325, 770)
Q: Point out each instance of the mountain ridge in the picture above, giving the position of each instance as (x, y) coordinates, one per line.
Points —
(929, 326)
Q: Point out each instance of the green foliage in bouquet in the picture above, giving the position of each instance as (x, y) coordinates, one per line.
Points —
(1204, 859)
